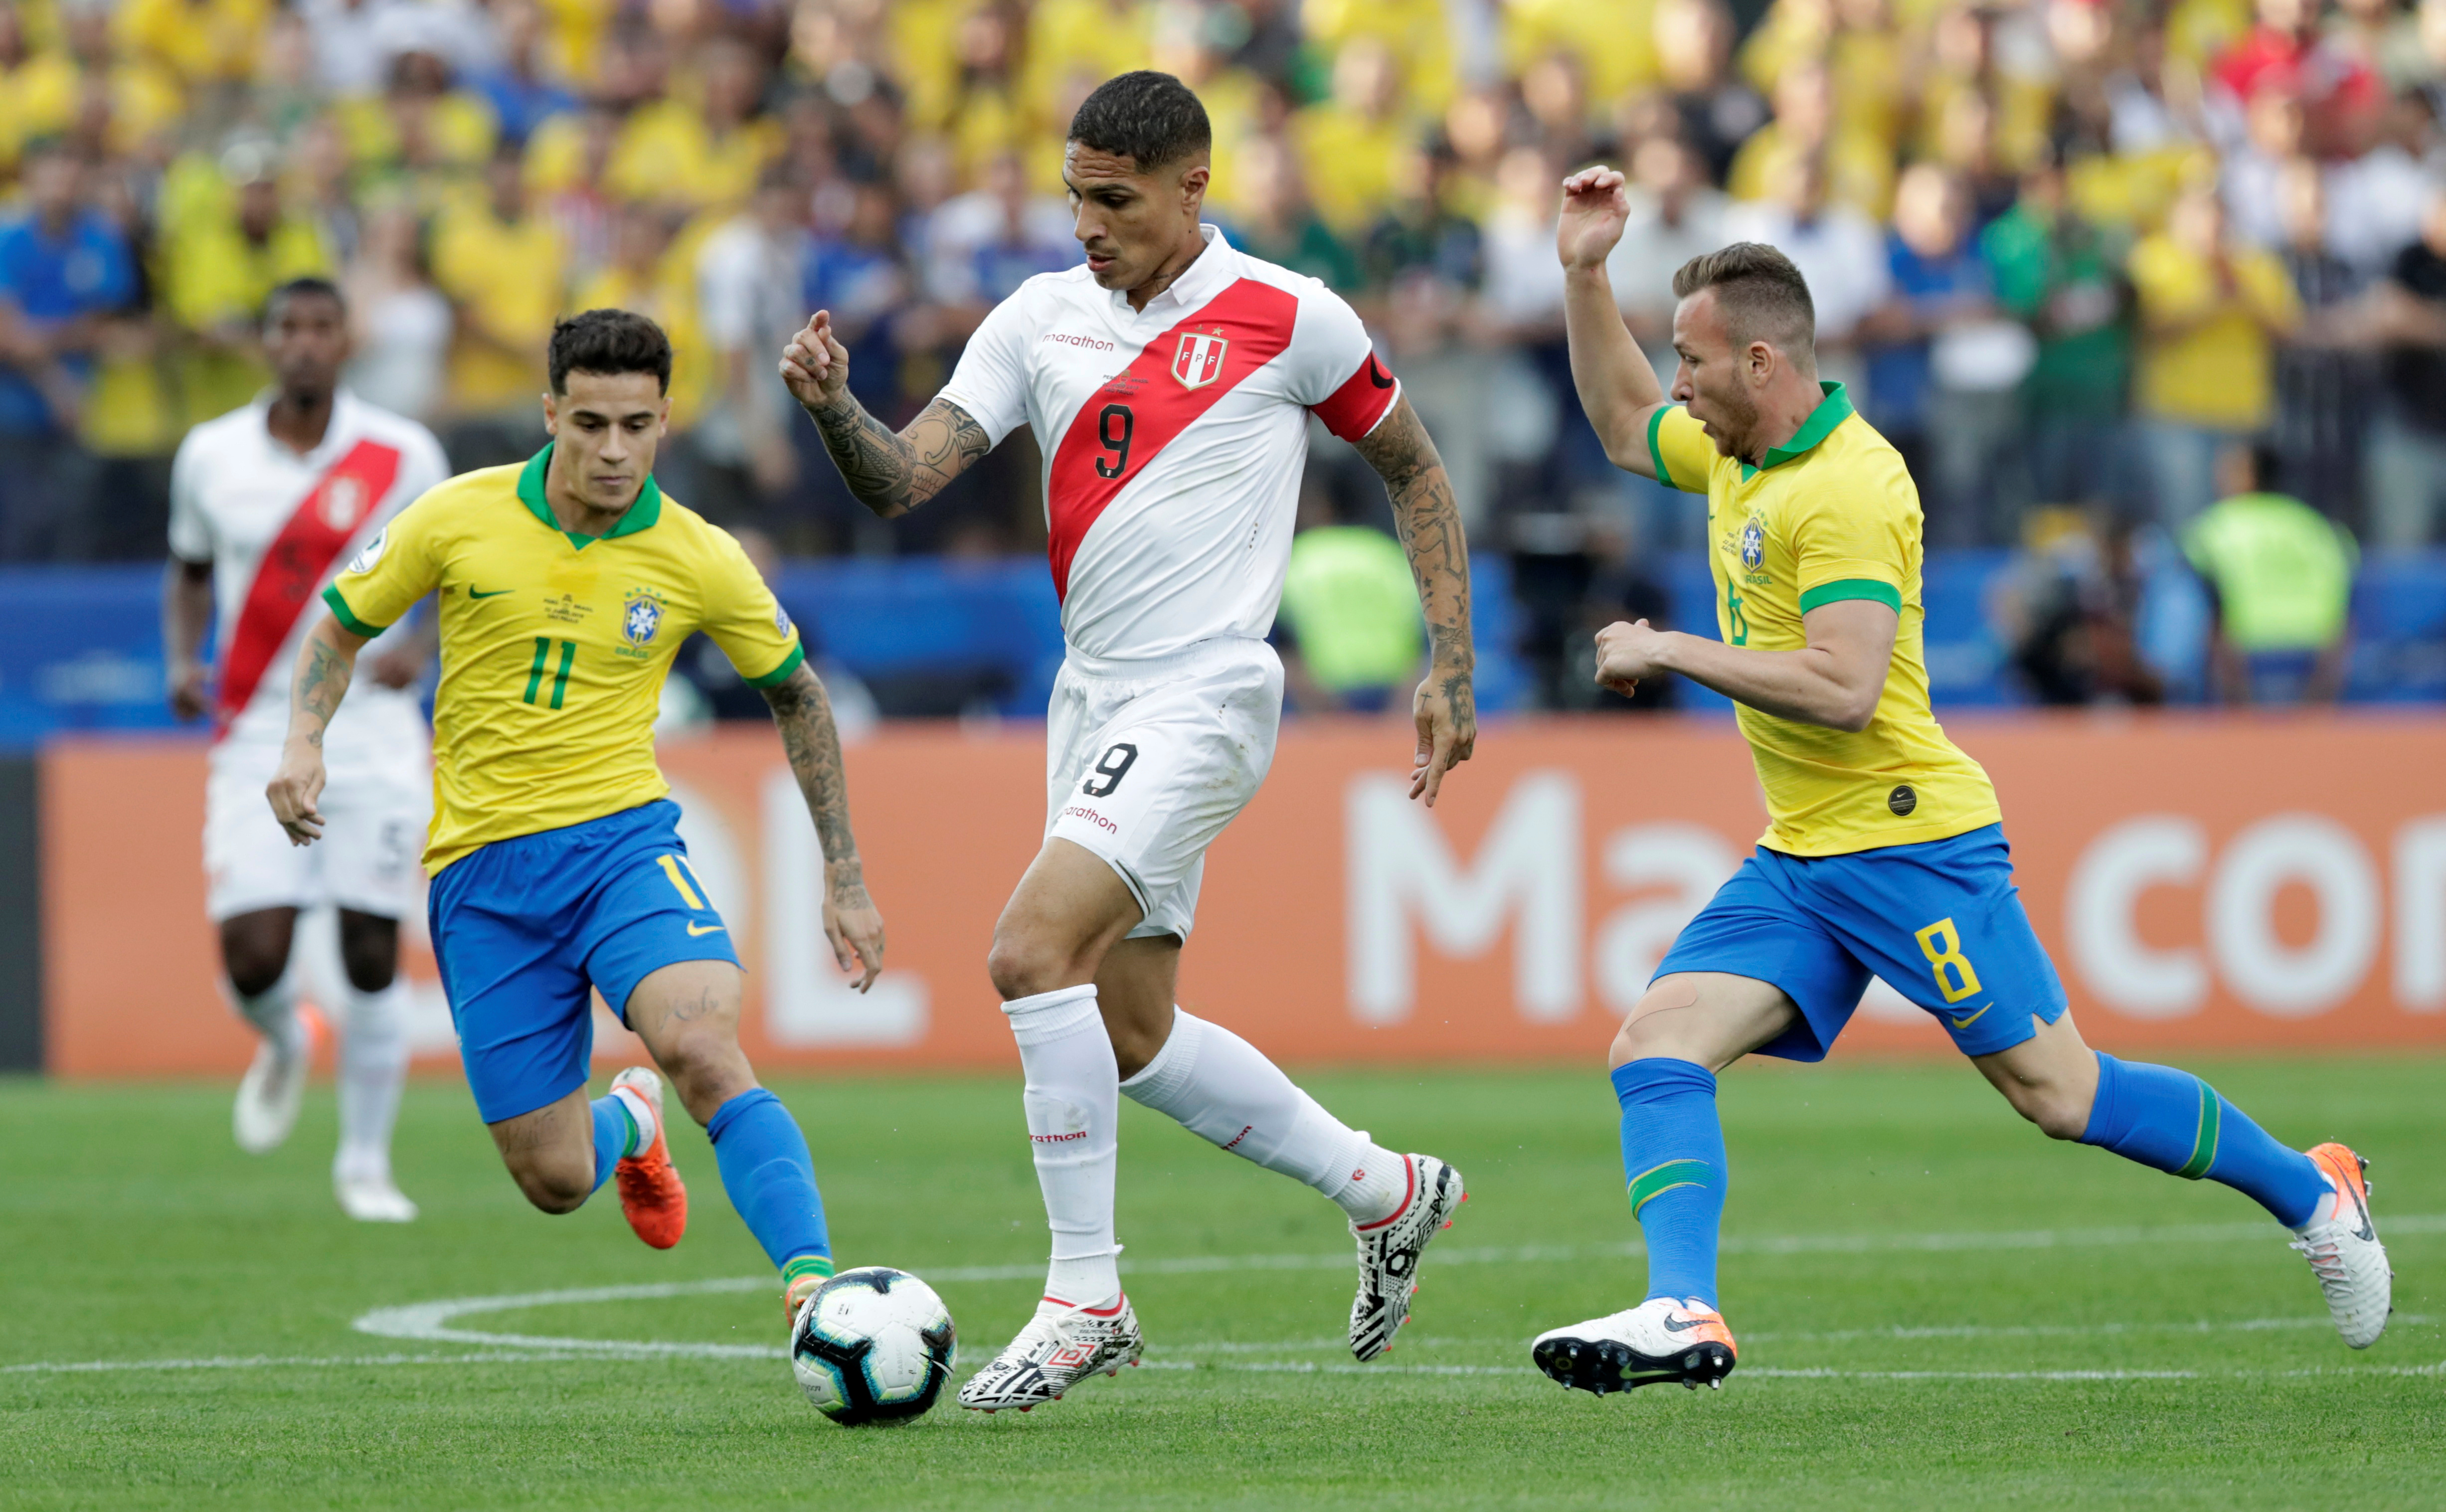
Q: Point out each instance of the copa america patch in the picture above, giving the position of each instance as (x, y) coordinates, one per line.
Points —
(641, 617)
(1753, 544)
(370, 552)
(781, 622)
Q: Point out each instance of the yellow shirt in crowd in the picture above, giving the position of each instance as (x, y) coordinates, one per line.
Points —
(2220, 369)
(1833, 516)
(510, 279)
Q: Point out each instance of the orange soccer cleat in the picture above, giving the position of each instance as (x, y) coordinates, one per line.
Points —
(652, 1194)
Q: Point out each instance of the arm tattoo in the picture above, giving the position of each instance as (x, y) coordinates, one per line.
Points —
(1428, 522)
(321, 684)
(804, 716)
(894, 472)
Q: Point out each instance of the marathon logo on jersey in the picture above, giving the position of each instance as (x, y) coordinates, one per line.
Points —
(1199, 359)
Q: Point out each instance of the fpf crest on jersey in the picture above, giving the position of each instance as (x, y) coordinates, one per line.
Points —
(1199, 359)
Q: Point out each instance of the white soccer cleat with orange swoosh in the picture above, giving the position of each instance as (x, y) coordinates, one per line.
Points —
(2341, 1243)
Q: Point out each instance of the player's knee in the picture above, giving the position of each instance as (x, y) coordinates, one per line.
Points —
(1023, 964)
(554, 1187)
(368, 950)
(2059, 1111)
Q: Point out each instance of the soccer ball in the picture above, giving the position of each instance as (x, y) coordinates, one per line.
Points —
(872, 1345)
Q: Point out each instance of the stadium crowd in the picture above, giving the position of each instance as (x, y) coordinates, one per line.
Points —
(2071, 255)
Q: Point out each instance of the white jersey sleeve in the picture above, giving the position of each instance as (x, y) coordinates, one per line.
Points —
(1332, 367)
(991, 381)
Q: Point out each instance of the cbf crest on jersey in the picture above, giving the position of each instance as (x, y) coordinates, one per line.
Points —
(1753, 544)
(641, 616)
(1199, 361)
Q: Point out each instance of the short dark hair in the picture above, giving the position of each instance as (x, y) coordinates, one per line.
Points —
(309, 287)
(608, 341)
(1761, 294)
(1152, 118)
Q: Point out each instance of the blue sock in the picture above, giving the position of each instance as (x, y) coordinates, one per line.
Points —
(1673, 1154)
(2171, 1121)
(615, 1135)
(770, 1176)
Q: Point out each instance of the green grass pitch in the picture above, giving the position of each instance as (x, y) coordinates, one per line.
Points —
(1936, 1307)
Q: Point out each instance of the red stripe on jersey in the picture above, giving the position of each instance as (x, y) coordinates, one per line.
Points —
(326, 520)
(1139, 411)
(1360, 403)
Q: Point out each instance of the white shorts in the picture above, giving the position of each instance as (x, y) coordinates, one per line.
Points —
(370, 858)
(1147, 761)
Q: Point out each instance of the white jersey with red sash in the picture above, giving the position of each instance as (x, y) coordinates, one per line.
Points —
(1174, 437)
(277, 526)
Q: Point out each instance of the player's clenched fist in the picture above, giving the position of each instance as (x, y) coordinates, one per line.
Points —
(1595, 211)
(294, 791)
(1625, 653)
(816, 365)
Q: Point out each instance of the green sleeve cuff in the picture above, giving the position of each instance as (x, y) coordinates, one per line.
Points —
(781, 674)
(347, 617)
(1655, 452)
(1852, 588)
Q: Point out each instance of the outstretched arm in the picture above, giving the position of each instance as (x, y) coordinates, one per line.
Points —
(1618, 390)
(1429, 523)
(890, 472)
(851, 922)
(325, 664)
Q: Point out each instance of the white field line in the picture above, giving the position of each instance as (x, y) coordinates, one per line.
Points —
(430, 1322)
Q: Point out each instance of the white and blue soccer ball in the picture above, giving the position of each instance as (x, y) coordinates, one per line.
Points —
(872, 1345)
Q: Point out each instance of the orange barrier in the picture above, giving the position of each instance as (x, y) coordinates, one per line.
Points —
(2205, 883)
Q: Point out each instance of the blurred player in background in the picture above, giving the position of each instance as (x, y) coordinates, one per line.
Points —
(1884, 851)
(265, 503)
(566, 585)
(1169, 381)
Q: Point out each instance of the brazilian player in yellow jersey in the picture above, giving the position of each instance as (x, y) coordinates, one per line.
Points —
(1884, 852)
(566, 585)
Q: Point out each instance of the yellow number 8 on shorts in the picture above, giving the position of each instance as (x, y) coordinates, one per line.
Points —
(1942, 945)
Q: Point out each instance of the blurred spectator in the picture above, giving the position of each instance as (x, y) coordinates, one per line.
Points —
(2325, 387)
(221, 257)
(1276, 222)
(1348, 630)
(1945, 371)
(2073, 612)
(1675, 215)
(2063, 274)
(402, 323)
(1619, 588)
(1858, 166)
(520, 90)
(1694, 50)
(644, 278)
(750, 297)
(64, 266)
(1839, 251)
(981, 245)
(2212, 308)
(2280, 581)
(1425, 230)
(705, 152)
(1444, 377)
(2408, 451)
(1351, 144)
(505, 268)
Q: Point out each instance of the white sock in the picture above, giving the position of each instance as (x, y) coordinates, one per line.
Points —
(1073, 1106)
(641, 1114)
(1221, 1088)
(373, 1068)
(273, 1014)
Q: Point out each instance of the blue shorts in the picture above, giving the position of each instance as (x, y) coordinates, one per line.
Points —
(1940, 920)
(522, 927)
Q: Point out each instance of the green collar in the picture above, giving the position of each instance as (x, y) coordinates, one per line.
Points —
(1831, 411)
(641, 516)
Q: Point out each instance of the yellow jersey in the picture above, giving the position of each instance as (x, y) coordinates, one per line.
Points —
(1832, 516)
(555, 644)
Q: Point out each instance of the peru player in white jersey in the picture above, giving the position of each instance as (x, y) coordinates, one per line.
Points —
(266, 503)
(1169, 382)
